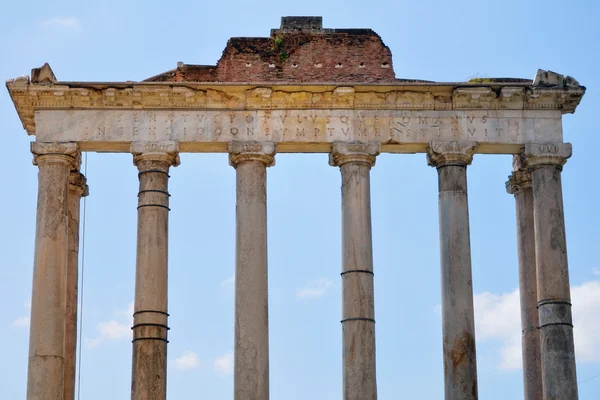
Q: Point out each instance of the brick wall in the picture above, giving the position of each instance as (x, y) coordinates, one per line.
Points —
(296, 53)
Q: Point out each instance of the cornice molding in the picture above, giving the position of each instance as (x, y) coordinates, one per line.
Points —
(29, 97)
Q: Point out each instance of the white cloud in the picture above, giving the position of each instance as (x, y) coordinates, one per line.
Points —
(223, 364)
(21, 321)
(596, 271)
(63, 22)
(229, 282)
(586, 303)
(314, 290)
(126, 313)
(189, 360)
(111, 330)
(25, 319)
(114, 330)
(498, 317)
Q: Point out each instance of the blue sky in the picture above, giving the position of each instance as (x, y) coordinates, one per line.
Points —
(442, 41)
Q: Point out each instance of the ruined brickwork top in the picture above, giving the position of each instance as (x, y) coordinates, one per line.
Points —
(301, 50)
(300, 67)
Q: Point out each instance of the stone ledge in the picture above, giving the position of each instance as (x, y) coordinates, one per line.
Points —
(31, 97)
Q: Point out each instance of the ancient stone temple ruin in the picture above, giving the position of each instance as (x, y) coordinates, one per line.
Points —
(303, 89)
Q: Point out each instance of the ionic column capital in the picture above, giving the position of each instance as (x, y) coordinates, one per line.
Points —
(67, 152)
(163, 152)
(78, 183)
(520, 179)
(442, 153)
(538, 154)
(354, 152)
(251, 150)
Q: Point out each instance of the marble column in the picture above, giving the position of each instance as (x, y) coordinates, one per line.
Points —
(77, 189)
(519, 184)
(559, 377)
(458, 325)
(150, 318)
(251, 350)
(358, 309)
(46, 369)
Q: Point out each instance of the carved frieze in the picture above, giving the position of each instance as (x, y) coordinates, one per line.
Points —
(29, 97)
(476, 97)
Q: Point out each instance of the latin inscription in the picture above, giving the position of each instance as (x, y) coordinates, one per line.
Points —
(311, 126)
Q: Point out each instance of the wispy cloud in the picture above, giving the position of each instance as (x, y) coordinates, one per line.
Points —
(189, 360)
(229, 282)
(114, 329)
(111, 330)
(21, 321)
(24, 320)
(63, 22)
(497, 317)
(223, 364)
(314, 289)
(125, 313)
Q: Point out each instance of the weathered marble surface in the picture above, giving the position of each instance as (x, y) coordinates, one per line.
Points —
(559, 375)
(399, 131)
(251, 351)
(519, 184)
(150, 319)
(458, 318)
(46, 369)
(358, 297)
(77, 189)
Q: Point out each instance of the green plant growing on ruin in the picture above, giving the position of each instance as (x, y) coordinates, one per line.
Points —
(278, 42)
(479, 78)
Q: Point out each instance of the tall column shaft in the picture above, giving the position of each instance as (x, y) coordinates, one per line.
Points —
(519, 184)
(458, 327)
(251, 350)
(46, 369)
(559, 377)
(77, 189)
(358, 308)
(150, 318)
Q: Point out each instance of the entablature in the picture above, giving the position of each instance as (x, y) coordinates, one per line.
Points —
(32, 96)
